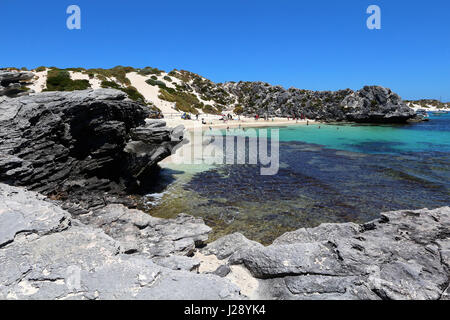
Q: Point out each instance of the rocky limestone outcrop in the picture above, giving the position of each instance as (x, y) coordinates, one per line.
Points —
(147, 235)
(371, 104)
(89, 148)
(46, 254)
(12, 83)
(402, 255)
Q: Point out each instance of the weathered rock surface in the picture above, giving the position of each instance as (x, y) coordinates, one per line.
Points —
(89, 148)
(230, 244)
(372, 104)
(46, 254)
(12, 83)
(150, 236)
(403, 255)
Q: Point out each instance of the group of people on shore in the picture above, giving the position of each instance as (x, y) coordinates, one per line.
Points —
(230, 117)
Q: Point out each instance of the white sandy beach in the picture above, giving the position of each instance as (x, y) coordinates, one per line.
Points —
(214, 121)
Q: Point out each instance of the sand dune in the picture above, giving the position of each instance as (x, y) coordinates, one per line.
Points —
(151, 93)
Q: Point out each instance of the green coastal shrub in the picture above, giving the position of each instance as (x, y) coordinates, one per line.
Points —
(119, 72)
(133, 94)
(59, 80)
(183, 75)
(210, 109)
(238, 110)
(185, 102)
(131, 91)
(167, 78)
(110, 84)
(149, 70)
(76, 69)
(154, 82)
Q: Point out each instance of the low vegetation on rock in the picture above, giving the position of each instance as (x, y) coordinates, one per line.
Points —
(185, 102)
(149, 70)
(427, 103)
(118, 72)
(59, 80)
(131, 91)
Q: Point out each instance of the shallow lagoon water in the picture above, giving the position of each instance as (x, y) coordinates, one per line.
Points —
(337, 173)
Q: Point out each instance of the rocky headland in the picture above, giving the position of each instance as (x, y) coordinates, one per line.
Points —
(86, 148)
(184, 91)
(69, 162)
(371, 104)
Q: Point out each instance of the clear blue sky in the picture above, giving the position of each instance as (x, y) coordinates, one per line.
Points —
(319, 45)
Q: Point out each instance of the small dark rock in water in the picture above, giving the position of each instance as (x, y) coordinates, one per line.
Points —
(222, 271)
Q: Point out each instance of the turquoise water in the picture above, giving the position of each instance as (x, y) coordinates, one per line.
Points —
(423, 137)
(391, 139)
(335, 173)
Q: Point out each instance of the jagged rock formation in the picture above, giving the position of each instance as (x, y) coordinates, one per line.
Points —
(189, 92)
(370, 104)
(402, 255)
(46, 254)
(12, 83)
(89, 148)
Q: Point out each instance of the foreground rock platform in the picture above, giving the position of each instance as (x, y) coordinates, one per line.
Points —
(46, 254)
(402, 255)
(122, 253)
